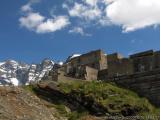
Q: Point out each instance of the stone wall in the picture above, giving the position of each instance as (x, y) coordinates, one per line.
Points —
(146, 84)
(95, 59)
(85, 73)
(103, 74)
(118, 66)
(143, 61)
(136, 63)
(87, 65)
(157, 59)
(146, 61)
(140, 72)
(91, 73)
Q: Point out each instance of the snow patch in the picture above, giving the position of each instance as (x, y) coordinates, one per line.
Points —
(60, 63)
(75, 55)
(14, 81)
(2, 63)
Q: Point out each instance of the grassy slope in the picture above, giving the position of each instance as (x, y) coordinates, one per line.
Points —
(114, 98)
(111, 96)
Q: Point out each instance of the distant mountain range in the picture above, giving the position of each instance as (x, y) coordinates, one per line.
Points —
(18, 73)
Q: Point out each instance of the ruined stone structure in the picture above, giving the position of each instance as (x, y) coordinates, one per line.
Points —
(139, 72)
(146, 61)
(97, 65)
(87, 65)
(146, 84)
(117, 65)
(136, 63)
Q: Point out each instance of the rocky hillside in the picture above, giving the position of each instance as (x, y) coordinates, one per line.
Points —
(19, 104)
(73, 101)
(18, 73)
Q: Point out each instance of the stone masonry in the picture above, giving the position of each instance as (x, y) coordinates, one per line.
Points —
(87, 65)
(139, 72)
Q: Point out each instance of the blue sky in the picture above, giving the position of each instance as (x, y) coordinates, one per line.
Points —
(56, 29)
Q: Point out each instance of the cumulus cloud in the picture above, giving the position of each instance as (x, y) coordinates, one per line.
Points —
(134, 14)
(91, 12)
(129, 14)
(34, 21)
(31, 21)
(39, 24)
(79, 30)
(52, 25)
(91, 2)
(27, 7)
(87, 10)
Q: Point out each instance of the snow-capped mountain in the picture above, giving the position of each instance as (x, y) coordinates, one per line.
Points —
(18, 73)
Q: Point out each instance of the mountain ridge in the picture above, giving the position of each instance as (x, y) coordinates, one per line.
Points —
(19, 73)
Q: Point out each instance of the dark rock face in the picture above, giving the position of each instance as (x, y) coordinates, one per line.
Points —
(52, 93)
(130, 111)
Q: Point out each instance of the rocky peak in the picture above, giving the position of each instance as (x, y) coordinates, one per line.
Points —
(18, 73)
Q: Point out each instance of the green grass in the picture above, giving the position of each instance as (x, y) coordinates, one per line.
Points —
(61, 108)
(114, 98)
(29, 88)
(70, 115)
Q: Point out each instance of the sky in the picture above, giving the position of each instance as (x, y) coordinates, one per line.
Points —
(32, 30)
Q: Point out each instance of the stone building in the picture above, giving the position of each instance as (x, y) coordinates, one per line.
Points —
(141, 62)
(95, 59)
(87, 64)
(139, 72)
(146, 61)
(96, 65)
(118, 65)
(86, 73)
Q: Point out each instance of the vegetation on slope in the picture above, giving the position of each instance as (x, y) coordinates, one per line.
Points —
(117, 101)
(97, 99)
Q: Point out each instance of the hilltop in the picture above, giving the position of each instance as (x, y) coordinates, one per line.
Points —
(89, 86)
(71, 101)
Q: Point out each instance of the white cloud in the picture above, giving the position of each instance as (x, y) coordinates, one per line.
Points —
(34, 21)
(134, 14)
(91, 2)
(26, 8)
(52, 25)
(129, 14)
(31, 21)
(79, 30)
(84, 11)
(37, 23)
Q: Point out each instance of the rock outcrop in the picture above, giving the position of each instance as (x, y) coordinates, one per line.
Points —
(19, 104)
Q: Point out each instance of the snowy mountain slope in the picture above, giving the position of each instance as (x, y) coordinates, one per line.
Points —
(18, 73)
